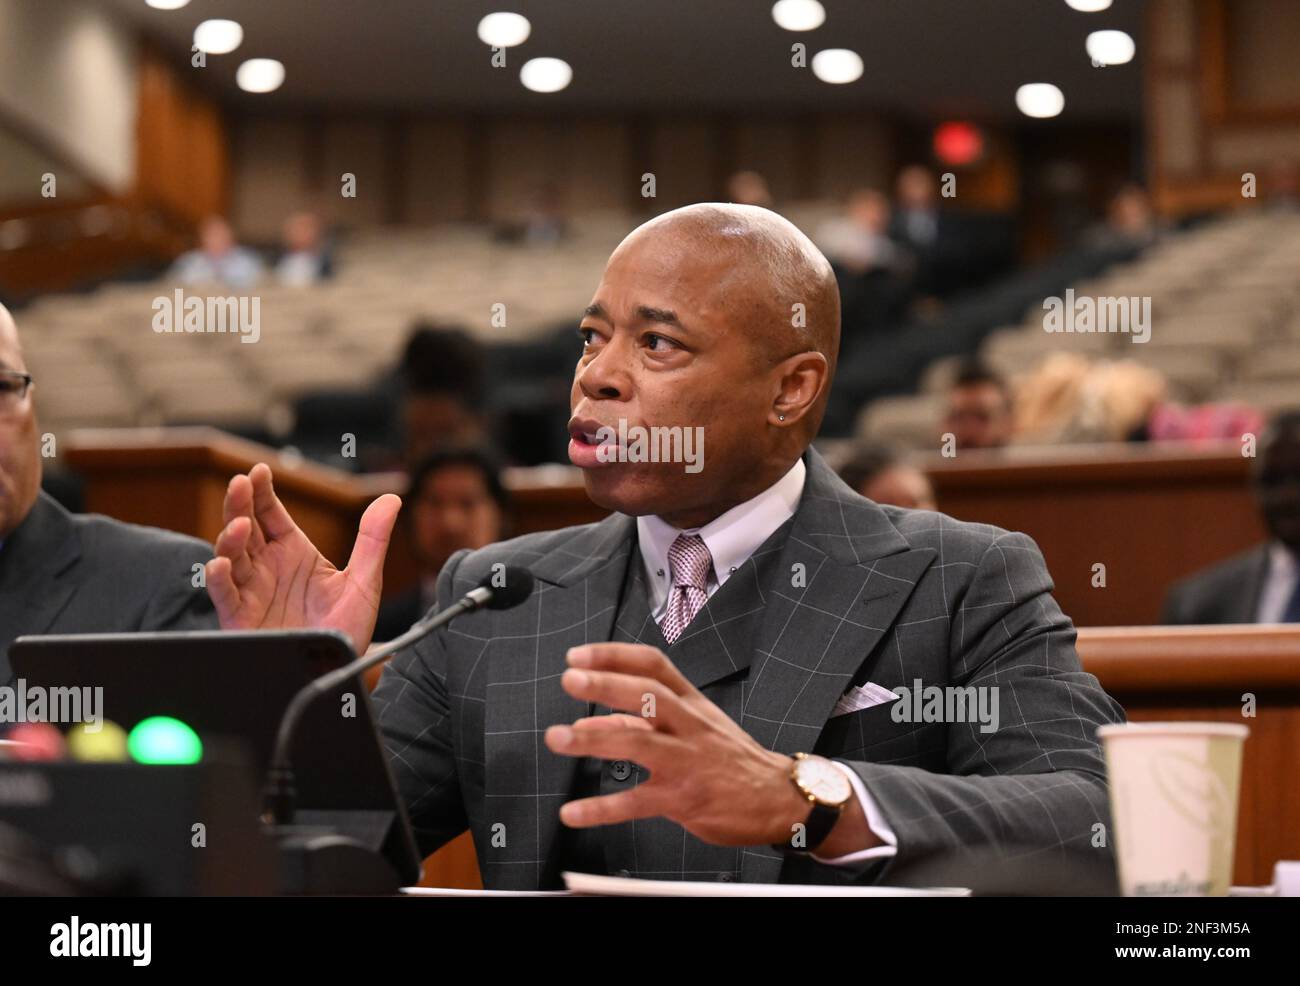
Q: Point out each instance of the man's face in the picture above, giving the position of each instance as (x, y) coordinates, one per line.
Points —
(668, 342)
(20, 460)
(978, 416)
(215, 237)
(301, 233)
(916, 189)
(1278, 488)
(453, 509)
(870, 211)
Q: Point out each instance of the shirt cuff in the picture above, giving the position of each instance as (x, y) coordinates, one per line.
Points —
(875, 821)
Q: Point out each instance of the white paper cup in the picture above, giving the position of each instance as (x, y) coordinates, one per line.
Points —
(1173, 802)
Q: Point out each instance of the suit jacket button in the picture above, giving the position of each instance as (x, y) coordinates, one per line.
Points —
(620, 770)
(624, 874)
(725, 878)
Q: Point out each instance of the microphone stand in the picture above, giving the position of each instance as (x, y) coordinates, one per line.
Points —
(279, 796)
(321, 859)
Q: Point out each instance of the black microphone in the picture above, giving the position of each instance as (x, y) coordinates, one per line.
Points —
(505, 587)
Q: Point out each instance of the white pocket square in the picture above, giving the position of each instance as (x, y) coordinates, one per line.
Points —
(862, 697)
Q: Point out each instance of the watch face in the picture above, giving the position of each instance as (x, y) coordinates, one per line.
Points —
(823, 780)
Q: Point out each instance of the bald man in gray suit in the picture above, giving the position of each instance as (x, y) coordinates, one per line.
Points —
(748, 671)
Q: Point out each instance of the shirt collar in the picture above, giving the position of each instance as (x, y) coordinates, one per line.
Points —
(731, 538)
(1282, 560)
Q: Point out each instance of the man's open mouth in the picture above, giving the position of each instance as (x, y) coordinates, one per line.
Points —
(585, 431)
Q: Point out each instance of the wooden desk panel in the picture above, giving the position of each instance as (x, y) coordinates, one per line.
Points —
(1150, 514)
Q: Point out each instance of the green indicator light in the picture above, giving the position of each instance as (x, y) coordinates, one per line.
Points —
(162, 739)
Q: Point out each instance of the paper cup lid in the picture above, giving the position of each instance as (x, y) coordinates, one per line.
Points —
(1230, 729)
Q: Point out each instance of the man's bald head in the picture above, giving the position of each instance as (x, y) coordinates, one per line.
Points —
(8, 332)
(717, 318)
(772, 268)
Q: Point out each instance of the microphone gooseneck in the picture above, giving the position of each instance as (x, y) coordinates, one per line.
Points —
(504, 588)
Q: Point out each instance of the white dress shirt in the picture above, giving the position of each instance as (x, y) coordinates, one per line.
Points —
(1279, 584)
(731, 539)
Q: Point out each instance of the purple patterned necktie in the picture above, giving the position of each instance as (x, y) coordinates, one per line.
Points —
(689, 562)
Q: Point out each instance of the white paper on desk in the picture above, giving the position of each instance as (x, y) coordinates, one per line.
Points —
(616, 886)
(455, 892)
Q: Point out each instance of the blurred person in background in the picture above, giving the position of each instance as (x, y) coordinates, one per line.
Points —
(305, 258)
(456, 500)
(546, 222)
(980, 412)
(218, 259)
(78, 573)
(1069, 398)
(858, 240)
(871, 269)
(882, 475)
(542, 222)
(443, 377)
(1213, 421)
(1261, 585)
(1130, 222)
(916, 208)
(749, 188)
(946, 261)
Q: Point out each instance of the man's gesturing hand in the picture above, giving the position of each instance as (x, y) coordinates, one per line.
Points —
(707, 774)
(268, 575)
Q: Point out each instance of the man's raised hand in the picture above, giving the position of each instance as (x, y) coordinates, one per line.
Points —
(268, 575)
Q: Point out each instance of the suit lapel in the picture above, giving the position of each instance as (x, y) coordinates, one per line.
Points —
(845, 573)
(576, 602)
(33, 558)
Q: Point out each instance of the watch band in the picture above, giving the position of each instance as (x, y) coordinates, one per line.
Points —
(820, 821)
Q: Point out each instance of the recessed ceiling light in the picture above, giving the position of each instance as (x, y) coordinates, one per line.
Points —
(1110, 47)
(837, 66)
(545, 74)
(1040, 100)
(1088, 6)
(504, 30)
(799, 15)
(260, 75)
(218, 37)
(167, 4)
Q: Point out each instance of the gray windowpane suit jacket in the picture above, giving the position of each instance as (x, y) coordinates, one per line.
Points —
(888, 596)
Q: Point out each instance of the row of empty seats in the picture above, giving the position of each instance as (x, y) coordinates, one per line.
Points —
(98, 361)
(1224, 326)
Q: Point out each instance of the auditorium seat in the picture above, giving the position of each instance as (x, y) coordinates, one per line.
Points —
(1225, 323)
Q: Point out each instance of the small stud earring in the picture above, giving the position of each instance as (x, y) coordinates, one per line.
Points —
(780, 417)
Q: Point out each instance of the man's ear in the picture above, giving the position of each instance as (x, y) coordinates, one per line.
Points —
(800, 380)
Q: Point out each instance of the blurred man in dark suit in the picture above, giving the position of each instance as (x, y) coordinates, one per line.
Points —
(66, 573)
(458, 503)
(1261, 585)
(708, 684)
(886, 477)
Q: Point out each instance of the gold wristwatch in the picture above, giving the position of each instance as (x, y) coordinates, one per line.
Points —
(823, 785)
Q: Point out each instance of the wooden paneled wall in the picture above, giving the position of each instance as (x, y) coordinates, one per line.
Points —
(1222, 100)
(182, 158)
(483, 167)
